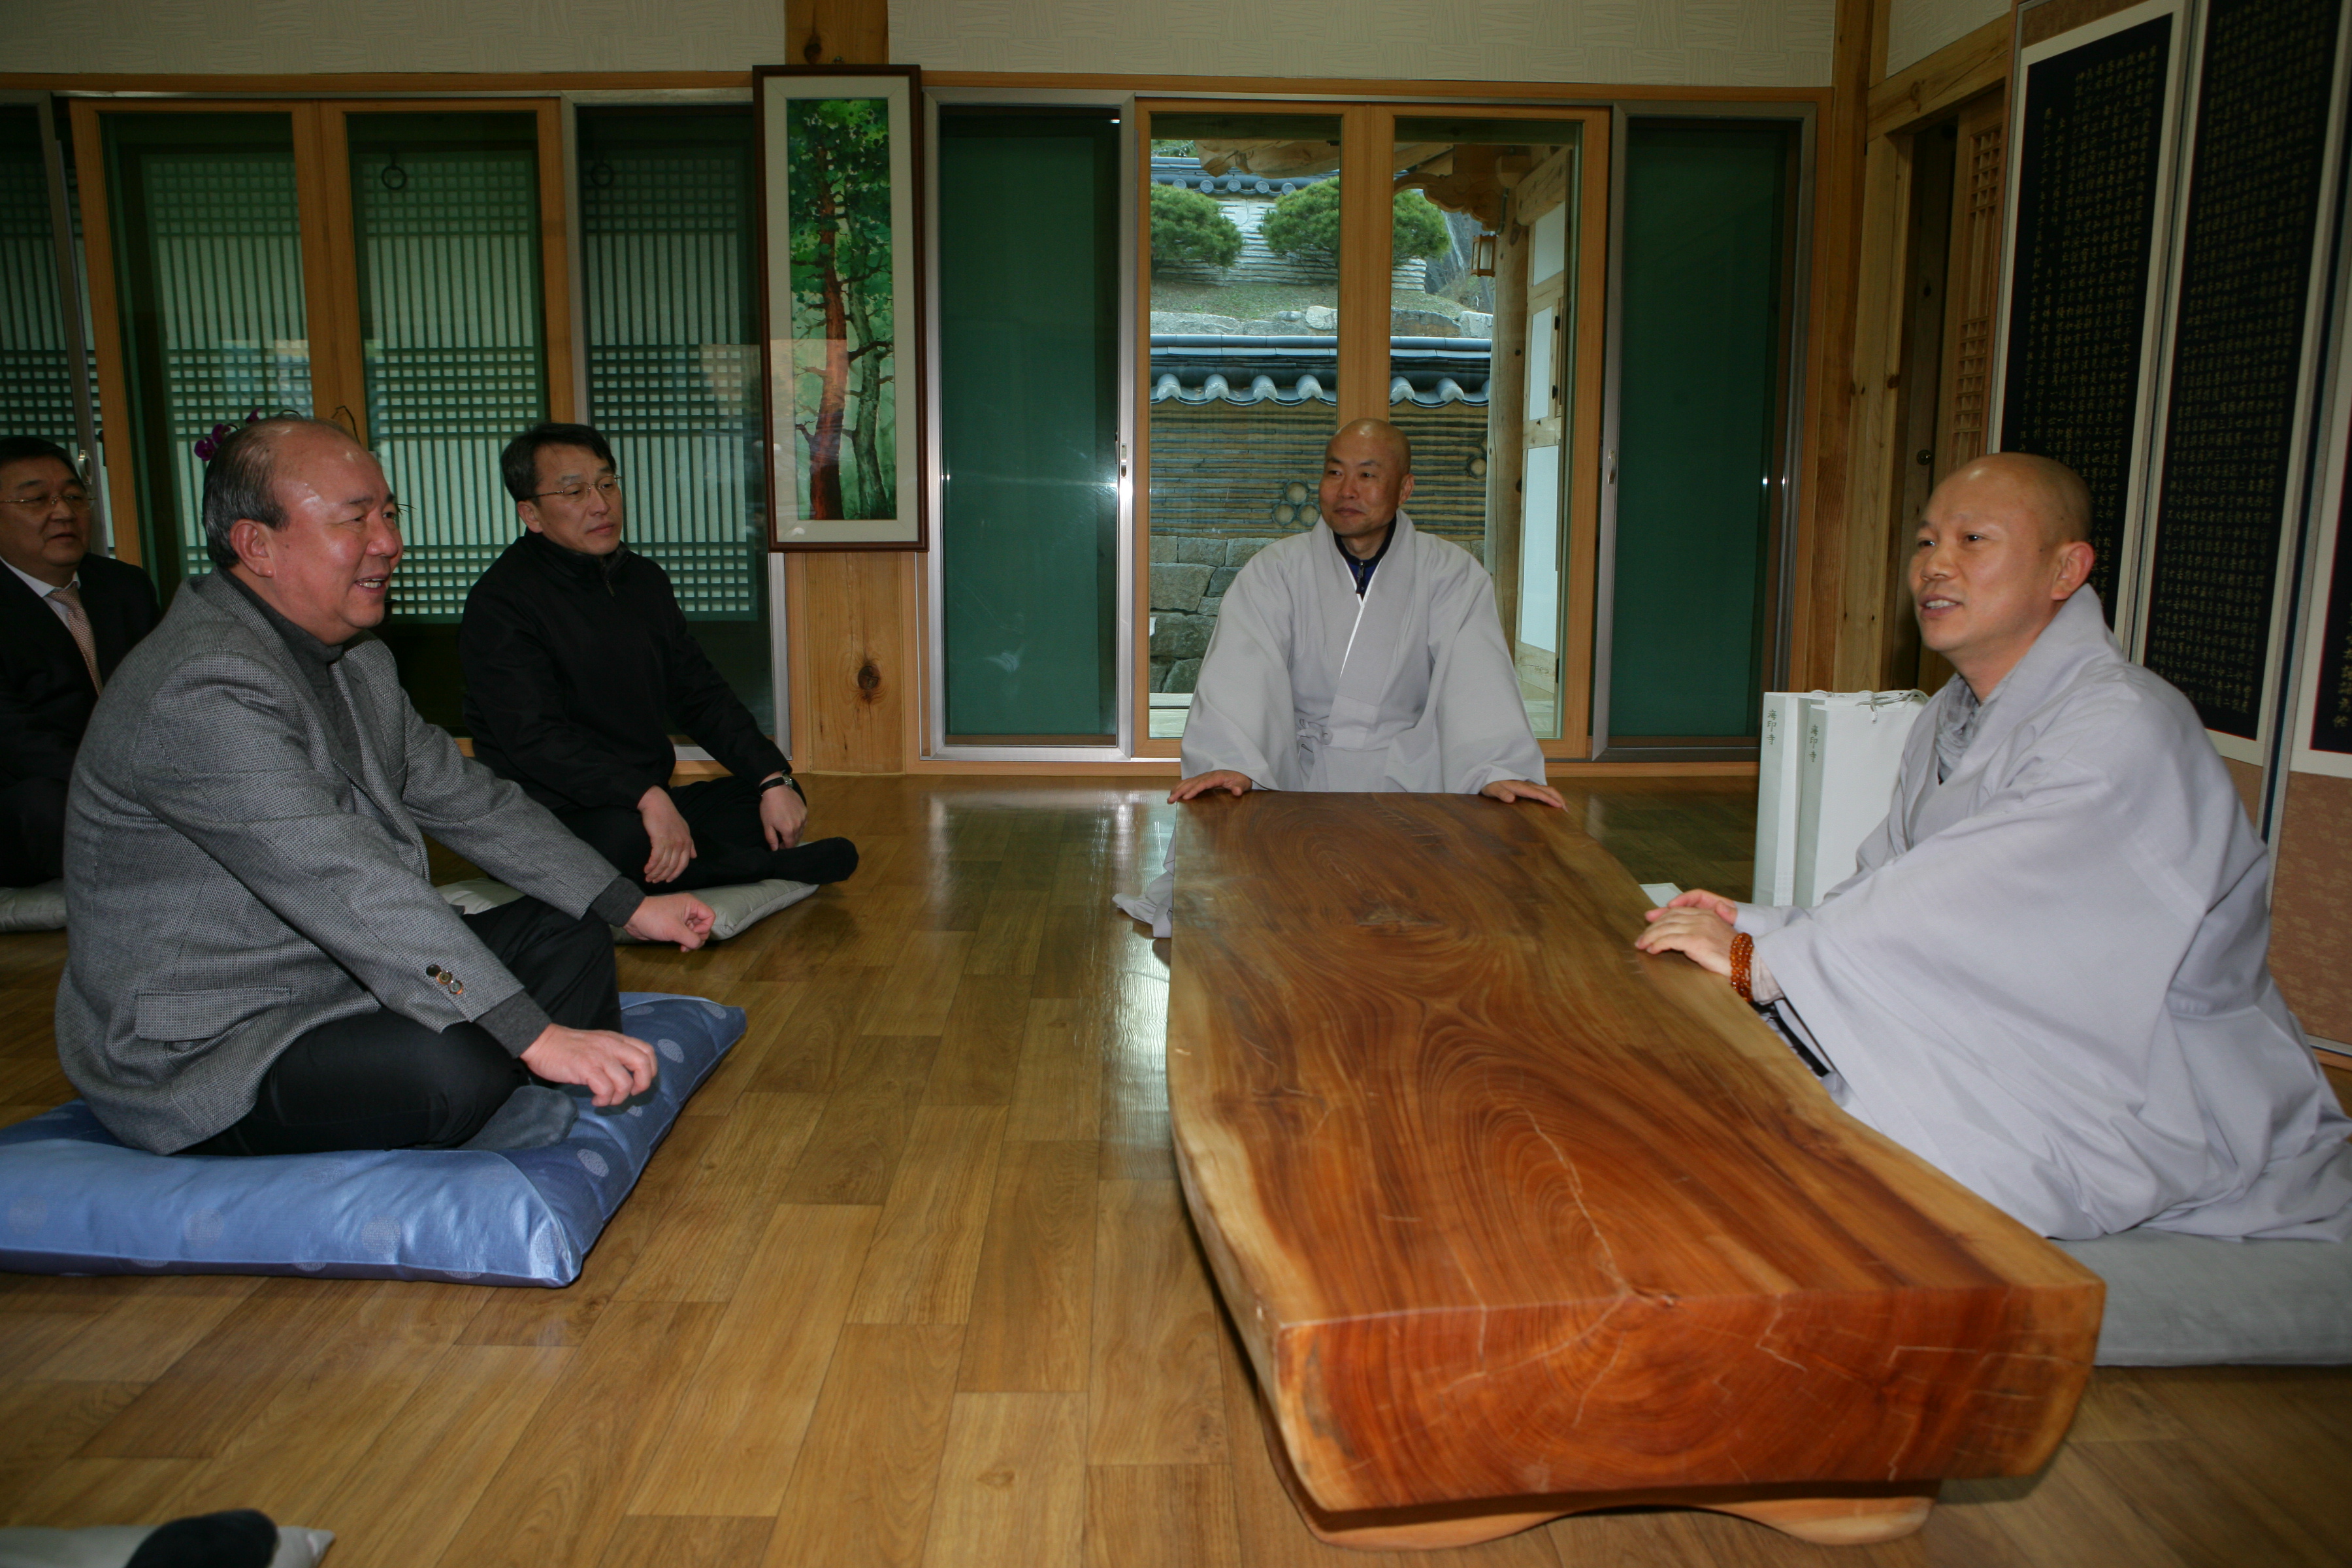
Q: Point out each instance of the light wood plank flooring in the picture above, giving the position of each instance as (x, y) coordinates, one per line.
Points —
(912, 1283)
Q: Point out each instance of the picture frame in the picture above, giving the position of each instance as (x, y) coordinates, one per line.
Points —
(841, 248)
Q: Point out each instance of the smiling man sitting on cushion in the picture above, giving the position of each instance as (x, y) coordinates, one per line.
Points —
(2049, 973)
(260, 965)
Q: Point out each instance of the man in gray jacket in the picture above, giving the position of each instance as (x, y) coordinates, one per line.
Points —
(259, 962)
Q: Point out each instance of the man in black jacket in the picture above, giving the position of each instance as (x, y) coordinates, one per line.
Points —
(578, 667)
(67, 617)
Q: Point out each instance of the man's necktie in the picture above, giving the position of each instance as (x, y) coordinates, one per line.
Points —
(77, 623)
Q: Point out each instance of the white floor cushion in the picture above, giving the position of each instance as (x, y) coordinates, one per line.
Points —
(2189, 1300)
(735, 908)
(40, 908)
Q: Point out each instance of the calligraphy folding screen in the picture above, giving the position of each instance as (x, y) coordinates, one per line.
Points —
(2244, 337)
(2176, 171)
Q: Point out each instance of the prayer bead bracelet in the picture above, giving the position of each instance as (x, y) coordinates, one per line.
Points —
(1743, 954)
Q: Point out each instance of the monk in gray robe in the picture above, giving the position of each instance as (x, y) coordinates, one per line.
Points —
(2049, 975)
(1359, 655)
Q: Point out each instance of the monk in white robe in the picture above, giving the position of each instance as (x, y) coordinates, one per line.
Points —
(1361, 654)
(2049, 975)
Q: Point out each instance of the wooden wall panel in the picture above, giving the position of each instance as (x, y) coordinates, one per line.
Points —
(1953, 74)
(2313, 875)
(838, 32)
(853, 659)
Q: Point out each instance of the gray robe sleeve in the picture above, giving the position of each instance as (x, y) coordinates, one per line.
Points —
(1475, 730)
(2003, 997)
(1242, 716)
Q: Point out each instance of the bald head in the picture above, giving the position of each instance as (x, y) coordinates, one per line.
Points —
(1379, 431)
(2047, 490)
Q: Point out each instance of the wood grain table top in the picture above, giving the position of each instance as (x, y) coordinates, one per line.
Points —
(1503, 1207)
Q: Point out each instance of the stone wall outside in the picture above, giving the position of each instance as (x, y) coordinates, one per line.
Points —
(1222, 476)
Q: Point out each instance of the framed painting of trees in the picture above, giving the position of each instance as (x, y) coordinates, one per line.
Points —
(840, 252)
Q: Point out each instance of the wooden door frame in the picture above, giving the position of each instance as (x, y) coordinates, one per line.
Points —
(1367, 139)
(340, 242)
(330, 274)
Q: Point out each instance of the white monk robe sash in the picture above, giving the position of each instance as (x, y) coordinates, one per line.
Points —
(1349, 749)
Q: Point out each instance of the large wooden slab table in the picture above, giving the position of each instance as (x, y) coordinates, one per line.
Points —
(1517, 1222)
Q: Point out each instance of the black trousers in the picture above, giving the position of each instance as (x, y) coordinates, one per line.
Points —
(383, 1081)
(33, 831)
(730, 845)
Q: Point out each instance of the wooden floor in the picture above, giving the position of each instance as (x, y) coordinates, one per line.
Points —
(911, 1283)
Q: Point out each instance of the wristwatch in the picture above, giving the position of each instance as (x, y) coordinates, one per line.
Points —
(782, 780)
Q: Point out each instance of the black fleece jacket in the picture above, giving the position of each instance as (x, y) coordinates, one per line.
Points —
(578, 669)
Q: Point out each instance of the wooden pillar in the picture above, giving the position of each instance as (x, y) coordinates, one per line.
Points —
(1824, 514)
(853, 641)
(1858, 617)
(1507, 436)
(838, 32)
(1367, 150)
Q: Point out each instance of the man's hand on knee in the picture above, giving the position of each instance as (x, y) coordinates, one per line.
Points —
(782, 812)
(1521, 789)
(1201, 784)
(680, 918)
(610, 1067)
(673, 842)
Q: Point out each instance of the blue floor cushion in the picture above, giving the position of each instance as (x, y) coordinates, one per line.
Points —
(2190, 1300)
(74, 1201)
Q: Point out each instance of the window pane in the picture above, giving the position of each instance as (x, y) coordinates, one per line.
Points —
(1029, 367)
(1486, 222)
(669, 208)
(446, 210)
(208, 249)
(35, 391)
(1699, 417)
(1245, 361)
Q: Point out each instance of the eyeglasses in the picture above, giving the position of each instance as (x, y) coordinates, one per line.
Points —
(609, 487)
(71, 503)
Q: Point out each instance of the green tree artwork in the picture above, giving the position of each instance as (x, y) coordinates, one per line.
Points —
(845, 407)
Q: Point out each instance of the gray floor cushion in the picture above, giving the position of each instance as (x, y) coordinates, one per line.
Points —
(41, 908)
(733, 909)
(2188, 1300)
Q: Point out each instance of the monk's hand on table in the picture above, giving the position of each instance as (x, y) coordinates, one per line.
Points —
(1520, 789)
(610, 1067)
(680, 918)
(1201, 784)
(1715, 904)
(1699, 934)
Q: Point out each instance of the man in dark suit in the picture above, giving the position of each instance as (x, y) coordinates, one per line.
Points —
(579, 666)
(67, 617)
